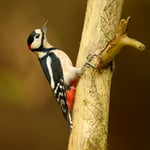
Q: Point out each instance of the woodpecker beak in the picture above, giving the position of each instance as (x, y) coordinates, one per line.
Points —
(44, 27)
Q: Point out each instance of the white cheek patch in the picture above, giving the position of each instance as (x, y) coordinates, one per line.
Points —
(37, 42)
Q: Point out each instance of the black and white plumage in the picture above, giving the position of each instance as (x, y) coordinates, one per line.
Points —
(56, 66)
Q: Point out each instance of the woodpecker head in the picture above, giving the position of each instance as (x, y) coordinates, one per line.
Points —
(37, 39)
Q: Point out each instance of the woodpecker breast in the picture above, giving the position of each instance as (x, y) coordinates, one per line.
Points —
(70, 72)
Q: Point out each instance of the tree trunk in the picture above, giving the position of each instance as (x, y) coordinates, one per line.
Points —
(91, 107)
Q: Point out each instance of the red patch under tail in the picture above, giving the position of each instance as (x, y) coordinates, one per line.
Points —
(70, 94)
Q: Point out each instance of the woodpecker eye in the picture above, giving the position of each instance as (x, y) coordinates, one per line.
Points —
(37, 36)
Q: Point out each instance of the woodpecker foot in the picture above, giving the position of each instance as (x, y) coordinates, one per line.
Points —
(89, 59)
(88, 64)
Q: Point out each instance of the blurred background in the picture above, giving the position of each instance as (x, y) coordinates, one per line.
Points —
(30, 118)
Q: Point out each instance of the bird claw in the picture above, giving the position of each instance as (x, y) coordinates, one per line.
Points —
(89, 64)
(89, 59)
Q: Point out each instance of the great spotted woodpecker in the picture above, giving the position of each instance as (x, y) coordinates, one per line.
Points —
(58, 69)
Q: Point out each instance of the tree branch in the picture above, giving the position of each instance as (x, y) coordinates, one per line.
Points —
(91, 107)
(120, 40)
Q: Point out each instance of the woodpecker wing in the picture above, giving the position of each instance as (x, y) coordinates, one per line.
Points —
(52, 68)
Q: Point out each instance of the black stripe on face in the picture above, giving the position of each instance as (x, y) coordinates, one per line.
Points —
(31, 38)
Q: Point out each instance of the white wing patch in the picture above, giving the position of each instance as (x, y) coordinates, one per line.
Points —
(48, 62)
